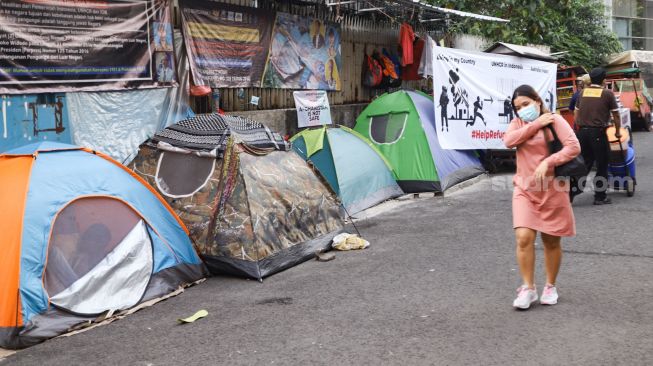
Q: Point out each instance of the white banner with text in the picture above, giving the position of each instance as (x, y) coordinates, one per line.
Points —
(472, 94)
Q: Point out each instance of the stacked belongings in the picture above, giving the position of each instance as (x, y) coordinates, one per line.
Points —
(621, 166)
(350, 163)
(253, 206)
(81, 237)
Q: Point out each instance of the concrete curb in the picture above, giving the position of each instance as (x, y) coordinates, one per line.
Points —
(5, 352)
(381, 208)
(410, 198)
(468, 183)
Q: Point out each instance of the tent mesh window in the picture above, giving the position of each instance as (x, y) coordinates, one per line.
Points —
(182, 175)
(387, 128)
(83, 234)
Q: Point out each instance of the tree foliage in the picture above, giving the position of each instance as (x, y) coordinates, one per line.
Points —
(575, 26)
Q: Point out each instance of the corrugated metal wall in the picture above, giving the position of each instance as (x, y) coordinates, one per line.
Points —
(359, 36)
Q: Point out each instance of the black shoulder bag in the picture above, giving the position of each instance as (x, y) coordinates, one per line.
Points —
(575, 168)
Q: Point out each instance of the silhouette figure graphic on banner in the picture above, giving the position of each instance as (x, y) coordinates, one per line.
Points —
(444, 102)
(460, 103)
(478, 105)
(507, 110)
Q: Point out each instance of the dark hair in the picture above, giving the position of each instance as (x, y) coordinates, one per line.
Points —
(528, 91)
(597, 75)
(96, 234)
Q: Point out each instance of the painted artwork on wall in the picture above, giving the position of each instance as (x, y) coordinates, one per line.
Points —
(304, 54)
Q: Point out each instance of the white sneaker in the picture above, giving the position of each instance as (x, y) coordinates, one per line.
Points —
(549, 295)
(525, 297)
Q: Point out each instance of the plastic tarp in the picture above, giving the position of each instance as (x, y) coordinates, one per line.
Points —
(519, 51)
(116, 123)
(634, 58)
(628, 70)
(426, 63)
(626, 57)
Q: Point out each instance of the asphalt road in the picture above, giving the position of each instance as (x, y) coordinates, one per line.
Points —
(434, 288)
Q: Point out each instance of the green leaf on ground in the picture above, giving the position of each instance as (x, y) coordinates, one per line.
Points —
(198, 315)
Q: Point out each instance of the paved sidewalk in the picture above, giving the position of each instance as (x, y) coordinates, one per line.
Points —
(434, 288)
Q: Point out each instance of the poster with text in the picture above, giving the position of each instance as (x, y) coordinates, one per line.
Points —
(90, 45)
(304, 54)
(227, 44)
(312, 108)
(472, 94)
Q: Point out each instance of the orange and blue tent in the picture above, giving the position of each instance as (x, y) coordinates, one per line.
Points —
(81, 236)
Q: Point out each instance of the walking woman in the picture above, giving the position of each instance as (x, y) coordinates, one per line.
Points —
(540, 202)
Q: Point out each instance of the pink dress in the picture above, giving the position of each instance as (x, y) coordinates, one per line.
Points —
(541, 207)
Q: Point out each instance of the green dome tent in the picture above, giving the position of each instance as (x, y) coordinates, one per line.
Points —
(350, 163)
(402, 127)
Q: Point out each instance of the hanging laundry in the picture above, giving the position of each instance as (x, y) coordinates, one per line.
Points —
(406, 38)
(425, 66)
(395, 60)
(410, 72)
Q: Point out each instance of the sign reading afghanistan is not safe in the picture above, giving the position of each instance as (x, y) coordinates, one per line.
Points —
(312, 108)
(472, 92)
(68, 45)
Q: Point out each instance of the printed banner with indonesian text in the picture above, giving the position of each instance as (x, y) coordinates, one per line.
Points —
(91, 45)
(228, 44)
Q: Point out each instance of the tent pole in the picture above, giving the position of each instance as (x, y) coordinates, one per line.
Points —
(351, 218)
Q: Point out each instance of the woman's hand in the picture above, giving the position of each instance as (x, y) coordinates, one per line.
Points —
(545, 119)
(540, 171)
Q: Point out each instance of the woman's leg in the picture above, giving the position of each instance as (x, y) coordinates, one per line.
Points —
(525, 238)
(552, 257)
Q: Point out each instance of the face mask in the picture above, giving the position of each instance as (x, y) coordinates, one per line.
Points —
(528, 114)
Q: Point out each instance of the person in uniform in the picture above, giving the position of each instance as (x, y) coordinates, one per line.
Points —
(592, 115)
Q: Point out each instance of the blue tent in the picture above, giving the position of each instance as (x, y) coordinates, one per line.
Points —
(81, 235)
(352, 166)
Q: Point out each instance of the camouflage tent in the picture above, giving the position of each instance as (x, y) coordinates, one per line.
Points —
(253, 207)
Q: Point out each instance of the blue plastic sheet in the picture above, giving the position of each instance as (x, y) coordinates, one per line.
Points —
(32, 118)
